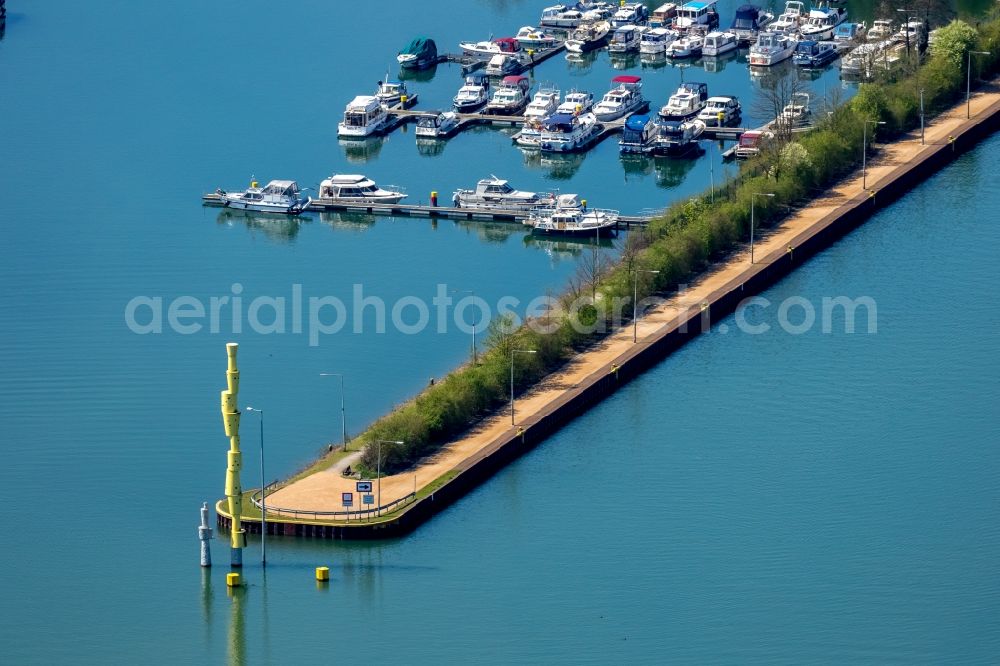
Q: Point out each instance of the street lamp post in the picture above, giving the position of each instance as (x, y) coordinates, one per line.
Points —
(864, 151)
(635, 299)
(343, 414)
(968, 82)
(513, 352)
(263, 491)
(474, 323)
(378, 471)
(753, 199)
(921, 116)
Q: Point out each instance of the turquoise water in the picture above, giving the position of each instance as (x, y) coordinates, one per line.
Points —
(820, 497)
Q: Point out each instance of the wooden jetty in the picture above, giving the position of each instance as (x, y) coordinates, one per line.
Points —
(422, 210)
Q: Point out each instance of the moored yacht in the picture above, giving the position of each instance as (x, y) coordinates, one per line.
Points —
(796, 112)
(561, 16)
(496, 192)
(391, 93)
(353, 188)
(698, 14)
(588, 37)
(278, 196)
(510, 98)
(626, 39)
(718, 43)
(630, 13)
(364, 116)
(688, 45)
(678, 138)
(749, 21)
(820, 23)
(639, 134)
(721, 111)
(687, 102)
(576, 101)
(656, 41)
(536, 38)
(663, 15)
(624, 98)
(502, 64)
(572, 220)
(487, 49)
(790, 20)
(543, 104)
(814, 54)
(770, 49)
(566, 133)
(420, 53)
(473, 95)
(437, 125)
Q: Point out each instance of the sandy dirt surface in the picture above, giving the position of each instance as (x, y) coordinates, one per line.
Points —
(322, 491)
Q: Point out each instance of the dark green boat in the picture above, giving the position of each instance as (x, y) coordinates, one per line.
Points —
(420, 53)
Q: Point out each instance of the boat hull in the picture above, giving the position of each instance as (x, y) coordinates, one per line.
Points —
(261, 207)
(605, 116)
(469, 107)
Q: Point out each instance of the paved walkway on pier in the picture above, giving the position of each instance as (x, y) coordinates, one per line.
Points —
(321, 491)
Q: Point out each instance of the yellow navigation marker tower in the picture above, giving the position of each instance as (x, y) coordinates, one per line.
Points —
(234, 490)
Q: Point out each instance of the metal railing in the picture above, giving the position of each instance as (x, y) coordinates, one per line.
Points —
(369, 513)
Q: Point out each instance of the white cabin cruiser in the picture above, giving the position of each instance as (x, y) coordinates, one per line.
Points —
(698, 14)
(488, 49)
(543, 104)
(588, 37)
(749, 21)
(473, 95)
(363, 117)
(790, 20)
(536, 38)
(687, 102)
(576, 101)
(626, 39)
(821, 23)
(624, 98)
(656, 41)
(278, 196)
(796, 112)
(437, 126)
(566, 133)
(881, 29)
(688, 45)
(718, 43)
(770, 49)
(353, 188)
(677, 139)
(502, 65)
(495, 192)
(391, 93)
(572, 220)
(510, 98)
(721, 111)
(561, 16)
(629, 14)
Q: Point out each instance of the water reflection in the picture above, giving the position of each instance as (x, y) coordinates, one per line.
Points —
(581, 63)
(671, 172)
(715, 64)
(565, 249)
(236, 643)
(622, 61)
(560, 166)
(653, 60)
(430, 147)
(348, 221)
(275, 227)
(495, 233)
(418, 75)
(362, 150)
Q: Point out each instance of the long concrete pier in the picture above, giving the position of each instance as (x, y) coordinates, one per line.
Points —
(596, 373)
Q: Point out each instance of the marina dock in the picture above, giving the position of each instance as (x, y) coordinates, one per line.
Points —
(309, 506)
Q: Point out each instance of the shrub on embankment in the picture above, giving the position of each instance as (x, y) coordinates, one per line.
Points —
(679, 243)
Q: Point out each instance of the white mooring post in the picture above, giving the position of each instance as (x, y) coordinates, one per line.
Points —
(205, 536)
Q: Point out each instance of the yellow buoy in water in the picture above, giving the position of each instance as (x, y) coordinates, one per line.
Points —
(323, 574)
(233, 579)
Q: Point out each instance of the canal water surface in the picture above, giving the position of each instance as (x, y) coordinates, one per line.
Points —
(755, 498)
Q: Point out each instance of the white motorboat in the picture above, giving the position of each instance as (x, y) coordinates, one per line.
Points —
(572, 220)
(639, 134)
(364, 116)
(473, 95)
(561, 16)
(820, 23)
(420, 53)
(566, 133)
(437, 125)
(278, 196)
(625, 97)
(751, 142)
(912, 33)
(502, 65)
(869, 58)
(687, 102)
(353, 188)
(543, 104)
(790, 20)
(676, 139)
(536, 38)
(631, 13)
(576, 101)
(626, 39)
(881, 29)
(718, 43)
(688, 45)
(530, 134)
(721, 111)
(698, 14)
(656, 41)
(588, 37)
(796, 112)
(391, 94)
(496, 193)
(510, 98)
(770, 49)
(488, 49)
(749, 21)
